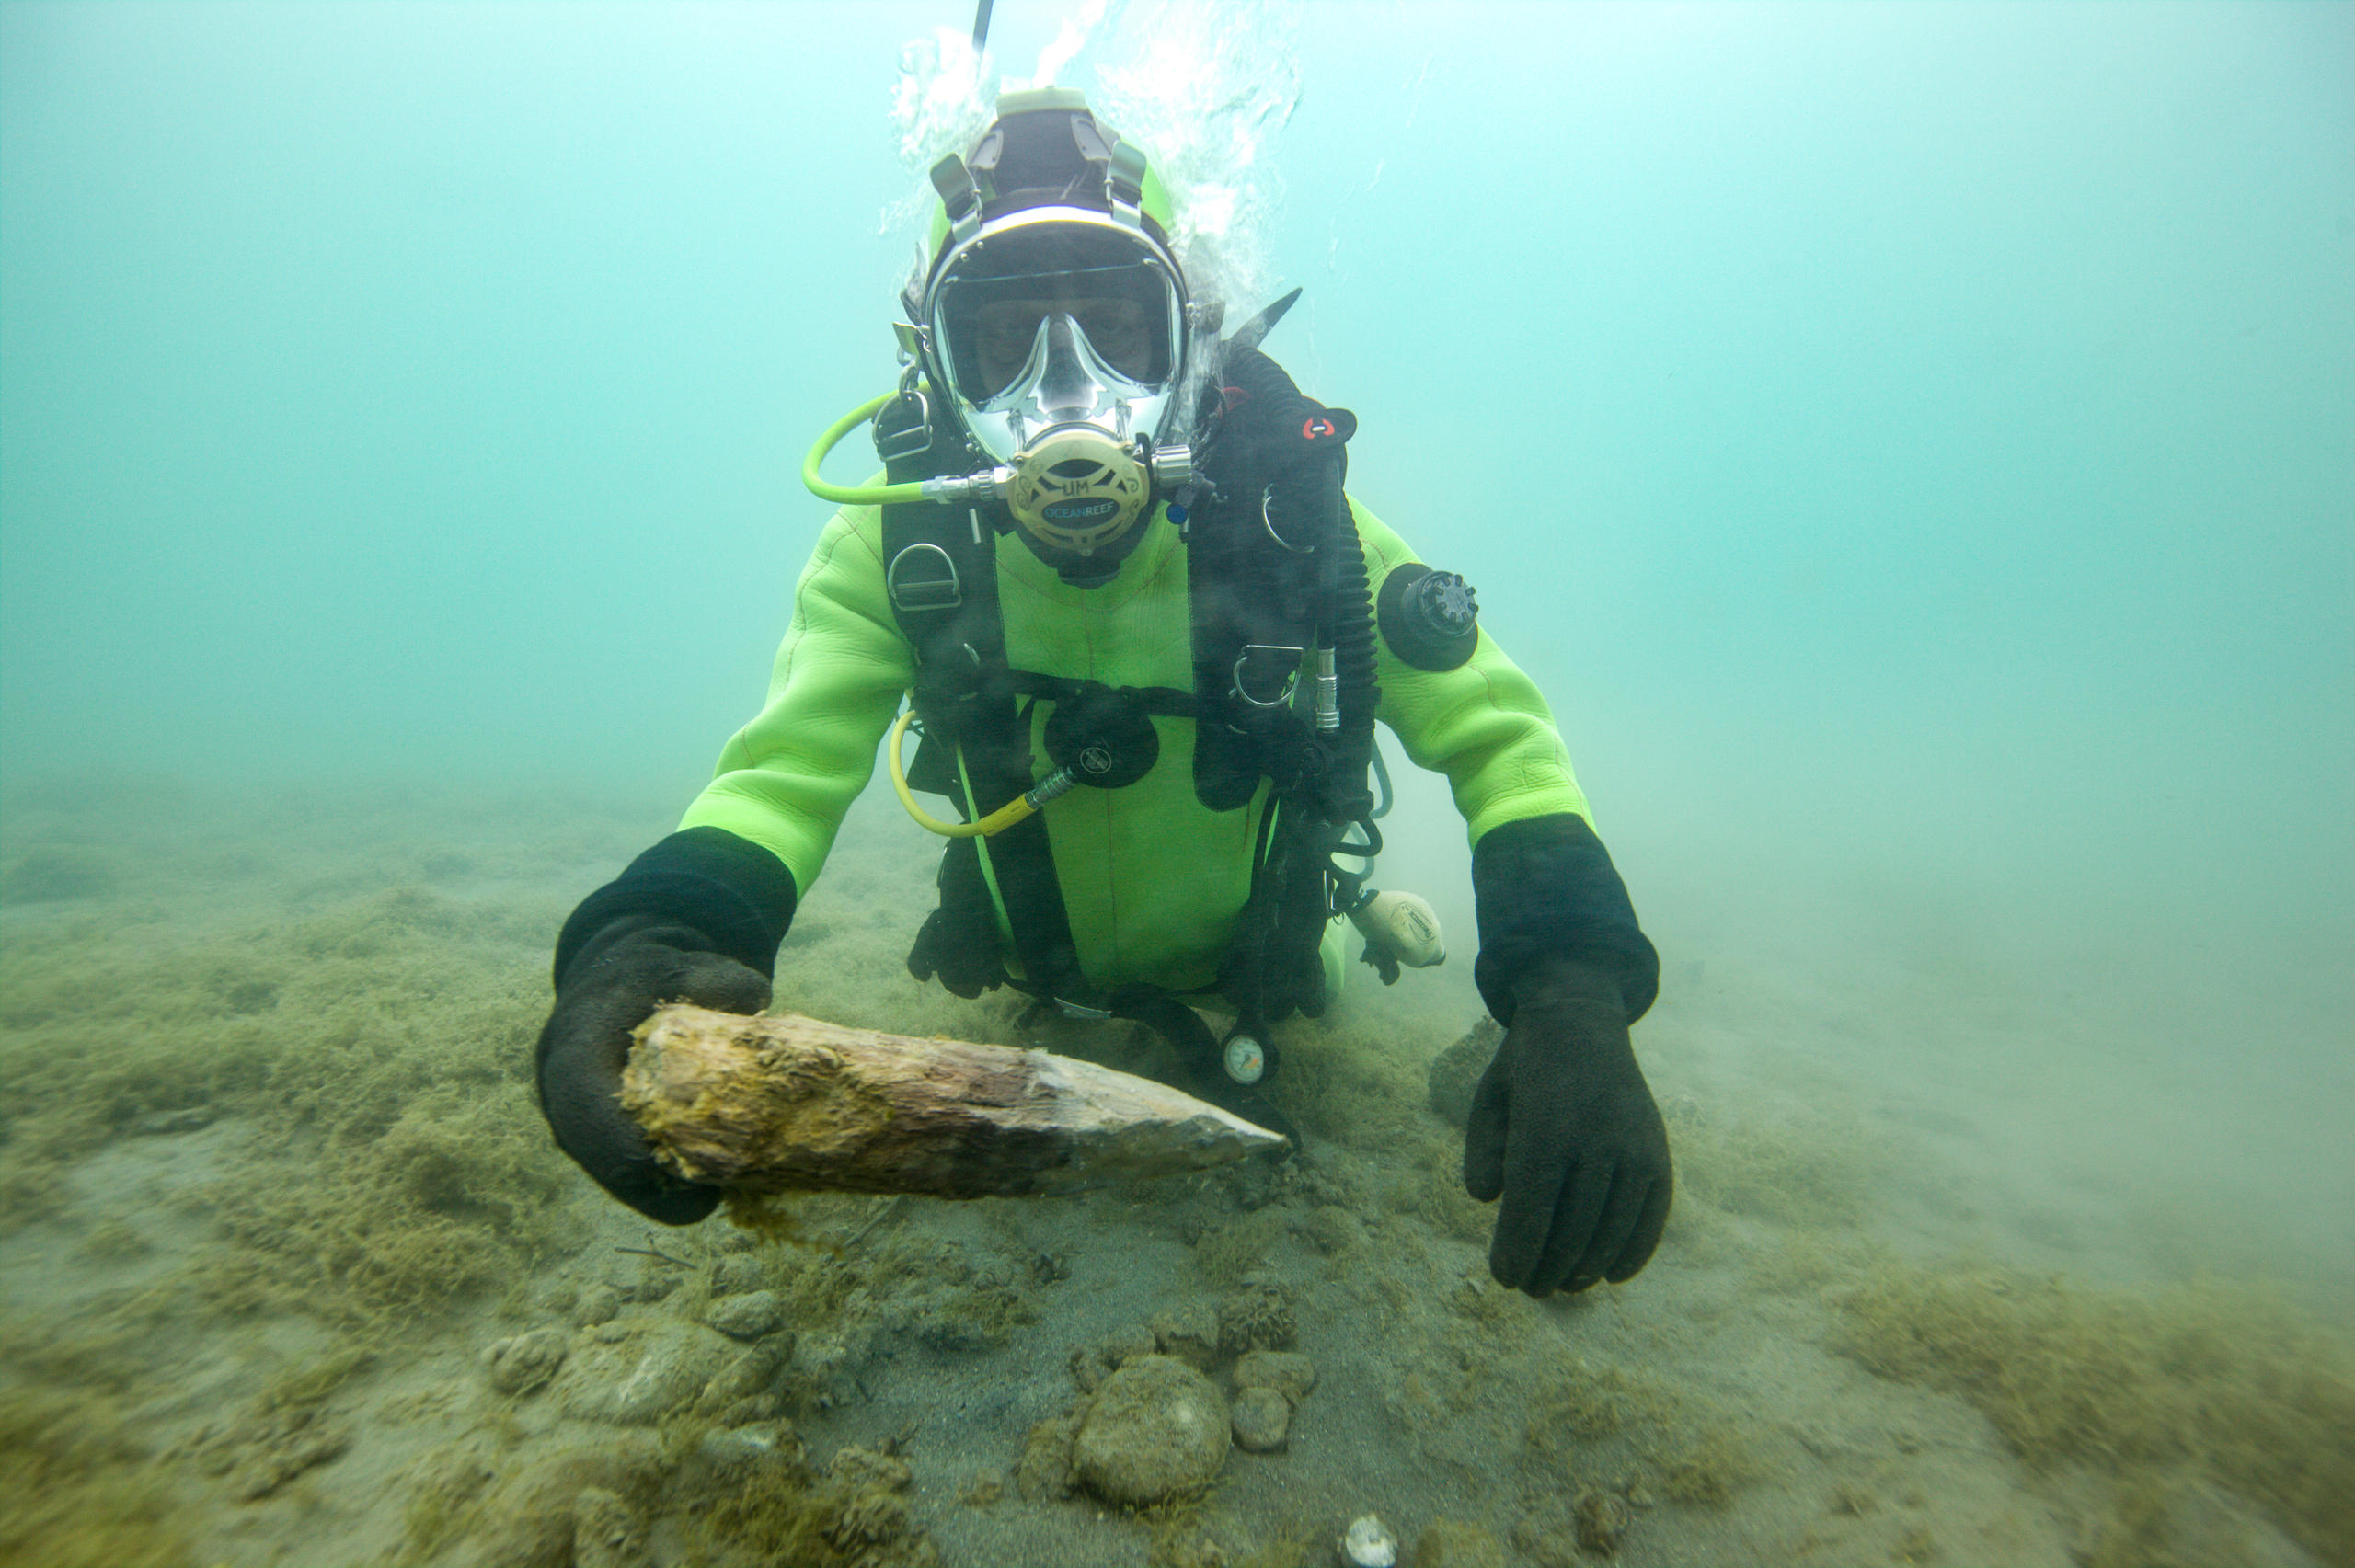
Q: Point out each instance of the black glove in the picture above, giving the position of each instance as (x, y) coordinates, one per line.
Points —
(685, 922)
(618, 977)
(1563, 1128)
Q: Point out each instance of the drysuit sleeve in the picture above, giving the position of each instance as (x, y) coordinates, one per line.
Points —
(786, 780)
(751, 843)
(1541, 881)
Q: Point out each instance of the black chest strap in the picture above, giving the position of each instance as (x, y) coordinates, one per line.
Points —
(940, 571)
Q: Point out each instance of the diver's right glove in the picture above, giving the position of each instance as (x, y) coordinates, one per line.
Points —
(619, 977)
(685, 922)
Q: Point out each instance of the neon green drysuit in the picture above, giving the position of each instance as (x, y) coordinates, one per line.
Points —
(1151, 880)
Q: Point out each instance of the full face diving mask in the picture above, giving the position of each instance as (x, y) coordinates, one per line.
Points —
(1060, 336)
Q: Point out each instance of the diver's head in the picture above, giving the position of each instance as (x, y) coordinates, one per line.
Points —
(1056, 321)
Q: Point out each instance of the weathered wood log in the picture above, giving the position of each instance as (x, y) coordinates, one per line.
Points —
(784, 1103)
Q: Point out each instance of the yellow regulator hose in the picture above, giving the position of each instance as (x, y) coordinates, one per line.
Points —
(997, 821)
(856, 495)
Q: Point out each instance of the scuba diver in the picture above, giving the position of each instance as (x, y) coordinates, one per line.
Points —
(1144, 634)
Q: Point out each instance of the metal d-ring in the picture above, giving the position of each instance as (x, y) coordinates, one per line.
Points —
(1291, 681)
(1269, 523)
(913, 593)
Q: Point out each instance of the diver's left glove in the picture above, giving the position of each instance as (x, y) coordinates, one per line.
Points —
(1564, 1129)
(696, 918)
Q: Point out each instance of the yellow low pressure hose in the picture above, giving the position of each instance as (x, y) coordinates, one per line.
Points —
(997, 821)
(854, 496)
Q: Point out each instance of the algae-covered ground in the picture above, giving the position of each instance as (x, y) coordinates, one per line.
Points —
(290, 1272)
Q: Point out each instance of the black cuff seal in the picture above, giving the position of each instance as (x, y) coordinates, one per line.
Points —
(735, 894)
(1546, 886)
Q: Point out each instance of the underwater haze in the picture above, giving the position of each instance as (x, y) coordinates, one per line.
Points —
(1912, 446)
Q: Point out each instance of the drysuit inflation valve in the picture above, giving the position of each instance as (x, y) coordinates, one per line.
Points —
(1431, 620)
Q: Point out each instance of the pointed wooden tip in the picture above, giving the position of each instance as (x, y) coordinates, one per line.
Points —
(784, 1102)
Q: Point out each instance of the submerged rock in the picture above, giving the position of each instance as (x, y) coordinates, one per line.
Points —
(749, 1316)
(598, 1304)
(1130, 1342)
(1188, 1332)
(524, 1363)
(729, 1447)
(1043, 1473)
(1288, 1372)
(1456, 1072)
(1601, 1519)
(1157, 1429)
(648, 1376)
(737, 1387)
(737, 1273)
(1262, 1419)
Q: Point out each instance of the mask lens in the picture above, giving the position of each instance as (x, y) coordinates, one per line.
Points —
(1124, 332)
(991, 308)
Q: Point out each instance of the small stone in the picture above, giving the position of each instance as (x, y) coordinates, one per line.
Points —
(1043, 1473)
(749, 1444)
(748, 1412)
(598, 1304)
(653, 1286)
(644, 1379)
(524, 1363)
(1331, 1229)
(1157, 1429)
(1368, 1543)
(745, 1376)
(1288, 1372)
(1088, 1368)
(1188, 1332)
(1453, 1543)
(605, 1532)
(1262, 1418)
(733, 1275)
(821, 1356)
(1134, 1340)
(1601, 1518)
(747, 1316)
